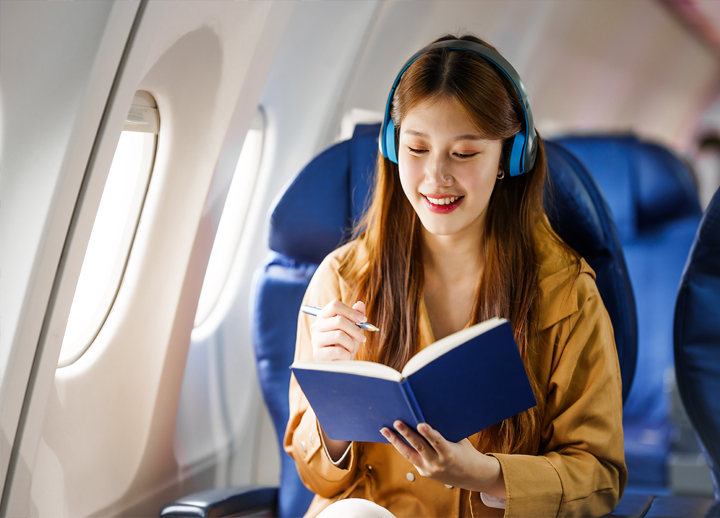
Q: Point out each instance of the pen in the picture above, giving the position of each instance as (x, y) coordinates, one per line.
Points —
(313, 310)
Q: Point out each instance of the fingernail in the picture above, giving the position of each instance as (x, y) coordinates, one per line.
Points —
(423, 428)
(364, 339)
(400, 426)
(383, 431)
(361, 318)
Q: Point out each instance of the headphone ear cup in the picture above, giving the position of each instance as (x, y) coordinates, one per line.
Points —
(390, 141)
(530, 153)
(516, 155)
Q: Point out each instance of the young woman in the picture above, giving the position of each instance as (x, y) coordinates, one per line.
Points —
(455, 235)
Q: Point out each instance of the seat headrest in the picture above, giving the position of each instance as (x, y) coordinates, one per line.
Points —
(569, 203)
(307, 231)
(645, 183)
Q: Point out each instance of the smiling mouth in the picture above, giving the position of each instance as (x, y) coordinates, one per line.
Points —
(442, 201)
(444, 205)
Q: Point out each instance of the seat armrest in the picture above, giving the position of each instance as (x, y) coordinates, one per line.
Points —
(228, 501)
(679, 506)
(632, 506)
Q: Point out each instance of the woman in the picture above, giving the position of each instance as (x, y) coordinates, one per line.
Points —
(455, 235)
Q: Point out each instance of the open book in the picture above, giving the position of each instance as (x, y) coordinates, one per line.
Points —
(459, 385)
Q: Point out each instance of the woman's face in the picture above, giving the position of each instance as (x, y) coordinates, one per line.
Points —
(447, 171)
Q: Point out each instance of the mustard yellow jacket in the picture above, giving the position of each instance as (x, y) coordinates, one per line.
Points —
(578, 469)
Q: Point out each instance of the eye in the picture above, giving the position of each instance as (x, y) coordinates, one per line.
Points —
(417, 150)
(465, 155)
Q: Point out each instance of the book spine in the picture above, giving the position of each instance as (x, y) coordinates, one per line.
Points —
(411, 402)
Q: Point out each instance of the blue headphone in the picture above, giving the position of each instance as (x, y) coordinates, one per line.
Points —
(524, 148)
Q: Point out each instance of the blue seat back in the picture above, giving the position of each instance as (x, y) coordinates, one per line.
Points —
(697, 339)
(580, 214)
(317, 212)
(656, 210)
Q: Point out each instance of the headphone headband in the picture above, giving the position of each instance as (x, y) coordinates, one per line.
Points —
(524, 149)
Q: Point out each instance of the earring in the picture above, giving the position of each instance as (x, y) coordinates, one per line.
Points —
(501, 175)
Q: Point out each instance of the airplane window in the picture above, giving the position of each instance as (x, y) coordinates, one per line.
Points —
(232, 219)
(114, 228)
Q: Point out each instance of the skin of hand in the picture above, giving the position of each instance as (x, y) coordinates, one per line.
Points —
(456, 464)
(336, 337)
(334, 333)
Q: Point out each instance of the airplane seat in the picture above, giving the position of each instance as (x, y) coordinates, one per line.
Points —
(656, 209)
(697, 340)
(316, 213)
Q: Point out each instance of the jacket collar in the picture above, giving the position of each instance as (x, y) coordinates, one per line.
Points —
(557, 280)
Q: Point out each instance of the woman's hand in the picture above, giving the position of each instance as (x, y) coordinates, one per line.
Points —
(336, 337)
(334, 333)
(456, 464)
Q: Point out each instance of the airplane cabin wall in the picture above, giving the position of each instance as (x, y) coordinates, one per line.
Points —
(58, 65)
(105, 445)
(156, 408)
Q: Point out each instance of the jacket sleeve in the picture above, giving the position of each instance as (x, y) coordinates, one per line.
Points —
(580, 469)
(303, 441)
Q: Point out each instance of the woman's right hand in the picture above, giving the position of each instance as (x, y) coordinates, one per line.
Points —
(334, 333)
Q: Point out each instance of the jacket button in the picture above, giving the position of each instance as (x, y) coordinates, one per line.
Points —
(302, 445)
(410, 477)
(448, 486)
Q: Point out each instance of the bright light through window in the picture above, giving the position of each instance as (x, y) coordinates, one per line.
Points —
(232, 220)
(111, 238)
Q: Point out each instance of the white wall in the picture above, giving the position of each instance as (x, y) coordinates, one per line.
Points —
(58, 65)
(106, 442)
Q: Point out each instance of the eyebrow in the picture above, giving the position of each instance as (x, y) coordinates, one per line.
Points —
(469, 136)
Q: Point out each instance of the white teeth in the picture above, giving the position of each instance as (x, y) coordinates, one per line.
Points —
(443, 201)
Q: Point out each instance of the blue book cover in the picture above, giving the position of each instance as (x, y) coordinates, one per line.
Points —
(459, 385)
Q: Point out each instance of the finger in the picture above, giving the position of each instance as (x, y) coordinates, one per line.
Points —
(337, 307)
(436, 441)
(415, 440)
(341, 323)
(335, 338)
(332, 353)
(406, 451)
(359, 306)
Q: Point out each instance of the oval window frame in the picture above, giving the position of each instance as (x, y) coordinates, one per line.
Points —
(143, 117)
(228, 239)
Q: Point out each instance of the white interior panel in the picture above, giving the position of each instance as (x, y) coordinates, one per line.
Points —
(58, 65)
(111, 415)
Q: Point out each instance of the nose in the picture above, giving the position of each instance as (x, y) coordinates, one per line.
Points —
(437, 172)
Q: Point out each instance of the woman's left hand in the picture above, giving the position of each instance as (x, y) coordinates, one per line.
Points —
(456, 464)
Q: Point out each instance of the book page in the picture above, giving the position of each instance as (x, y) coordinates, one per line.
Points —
(360, 368)
(448, 343)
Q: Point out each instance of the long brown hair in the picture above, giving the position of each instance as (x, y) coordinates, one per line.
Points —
(390, 281)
